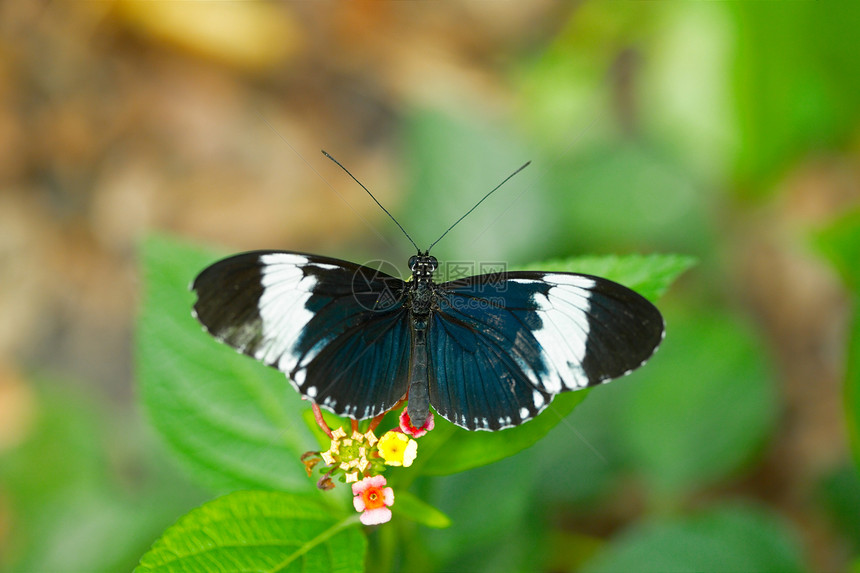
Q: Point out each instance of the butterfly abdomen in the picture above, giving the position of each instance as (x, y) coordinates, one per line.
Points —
(420, 304)
(418, 406)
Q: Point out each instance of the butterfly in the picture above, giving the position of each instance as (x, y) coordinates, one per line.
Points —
(487, 352)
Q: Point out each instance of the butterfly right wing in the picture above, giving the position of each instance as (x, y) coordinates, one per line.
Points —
(340, 331)
(501, 347)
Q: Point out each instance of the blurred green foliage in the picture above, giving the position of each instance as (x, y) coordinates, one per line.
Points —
(703, 409)
(93, 485)
(795, 83)
(839, 494)
(732, 538)
(840, 243)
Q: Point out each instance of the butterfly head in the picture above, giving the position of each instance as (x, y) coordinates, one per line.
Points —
(423, 265)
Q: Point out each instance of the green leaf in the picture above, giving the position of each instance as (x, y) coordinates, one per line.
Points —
(449, 449)
(724, 539)
(232, 421)
(258, 531)
(703, 406)
(411, 507)
(649, 275)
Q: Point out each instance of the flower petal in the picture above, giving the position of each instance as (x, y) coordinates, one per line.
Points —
(397, 449)
(371, 437)
(376, 481)
(410, 453)
(375, 516)
(388, 496)
(359, 487)
(407, 427)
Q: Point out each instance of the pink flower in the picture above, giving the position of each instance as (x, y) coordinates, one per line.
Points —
(407, 427)
(372, 498)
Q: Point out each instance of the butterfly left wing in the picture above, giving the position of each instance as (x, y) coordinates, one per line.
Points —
(501, 347)
(339, 331)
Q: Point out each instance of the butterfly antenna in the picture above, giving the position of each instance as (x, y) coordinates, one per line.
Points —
(372, 197)
(526, 164)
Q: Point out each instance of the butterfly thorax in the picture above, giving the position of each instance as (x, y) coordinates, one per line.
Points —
(421, 298)
(421, 293)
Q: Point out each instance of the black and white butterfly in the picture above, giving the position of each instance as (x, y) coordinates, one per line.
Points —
(488, 352)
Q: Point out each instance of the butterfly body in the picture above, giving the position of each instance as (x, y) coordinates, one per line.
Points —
(487, 352)
(422, 298)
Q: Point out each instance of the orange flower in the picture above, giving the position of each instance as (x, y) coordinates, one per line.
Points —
(372, 498)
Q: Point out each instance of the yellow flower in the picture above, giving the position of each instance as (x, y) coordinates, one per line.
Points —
(397, 449)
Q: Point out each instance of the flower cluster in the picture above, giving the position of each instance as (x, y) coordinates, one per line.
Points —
(360, 458)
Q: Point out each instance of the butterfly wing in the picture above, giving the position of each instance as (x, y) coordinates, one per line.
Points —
(340, 331)
(502, 346)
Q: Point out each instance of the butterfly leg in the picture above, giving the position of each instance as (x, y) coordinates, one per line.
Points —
(374, 422)
(318, 416)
